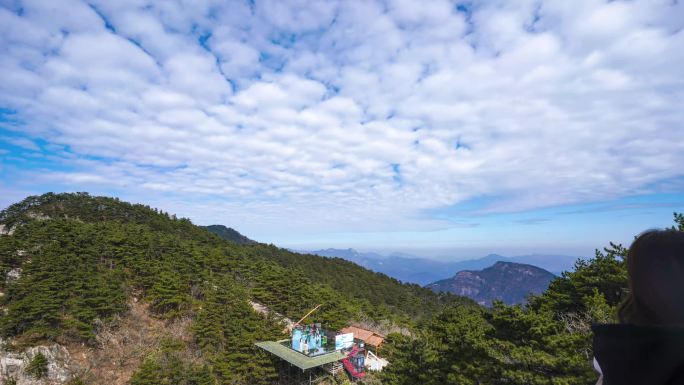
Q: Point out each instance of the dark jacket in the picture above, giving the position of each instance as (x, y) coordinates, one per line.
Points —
(640, 355)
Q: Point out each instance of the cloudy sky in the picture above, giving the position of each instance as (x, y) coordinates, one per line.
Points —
(451, 128)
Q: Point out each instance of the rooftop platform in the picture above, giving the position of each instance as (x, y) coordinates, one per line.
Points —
(279, 348)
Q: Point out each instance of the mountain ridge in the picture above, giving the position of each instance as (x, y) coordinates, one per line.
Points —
(230, 234)
(422, 271)
(509, 282)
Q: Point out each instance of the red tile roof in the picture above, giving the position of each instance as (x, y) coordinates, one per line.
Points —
(367, 336)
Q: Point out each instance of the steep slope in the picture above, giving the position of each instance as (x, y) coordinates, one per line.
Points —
(230, 234)
(506, 281)
(72, 265)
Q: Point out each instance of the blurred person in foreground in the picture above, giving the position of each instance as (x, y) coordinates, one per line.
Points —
(647, 346)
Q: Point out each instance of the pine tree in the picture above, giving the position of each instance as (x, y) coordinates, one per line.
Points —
(169, 294)
(226, 329)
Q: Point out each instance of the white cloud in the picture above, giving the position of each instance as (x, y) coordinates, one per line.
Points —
(340, 115)
(21, 142)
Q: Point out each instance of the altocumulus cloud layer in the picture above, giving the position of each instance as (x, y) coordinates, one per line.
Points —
(347, 113)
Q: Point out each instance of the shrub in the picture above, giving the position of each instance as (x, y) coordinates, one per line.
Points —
(38, 367)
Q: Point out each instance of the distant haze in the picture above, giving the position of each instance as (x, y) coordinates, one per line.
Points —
(415, 269)
(461, 254)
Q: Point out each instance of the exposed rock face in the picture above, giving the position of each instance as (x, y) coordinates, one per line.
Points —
(6, 230)
(37, 215)
(263, 309)
(507, 281)
(13, 275)
(117, 354)
(61, 368)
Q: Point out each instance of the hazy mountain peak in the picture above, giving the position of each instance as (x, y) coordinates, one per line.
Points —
(509, 282)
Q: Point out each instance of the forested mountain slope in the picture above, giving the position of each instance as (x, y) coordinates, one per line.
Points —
(73, 263)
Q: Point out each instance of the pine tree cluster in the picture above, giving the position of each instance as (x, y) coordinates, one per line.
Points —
(81, 258)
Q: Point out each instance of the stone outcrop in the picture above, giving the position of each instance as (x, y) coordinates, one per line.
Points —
(61, 367)
(13, 275)
(6, 230)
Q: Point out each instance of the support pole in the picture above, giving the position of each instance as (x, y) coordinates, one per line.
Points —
(307, 314)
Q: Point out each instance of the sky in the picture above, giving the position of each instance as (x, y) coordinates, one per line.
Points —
(449, 129)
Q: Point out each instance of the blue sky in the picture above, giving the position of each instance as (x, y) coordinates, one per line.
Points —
(449, 129)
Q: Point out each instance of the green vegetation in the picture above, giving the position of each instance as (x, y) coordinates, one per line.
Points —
(66, 282)
(229, 234)
(225, 330)
(81, 258)
(38, 366)
(169, 366)
(548, 341)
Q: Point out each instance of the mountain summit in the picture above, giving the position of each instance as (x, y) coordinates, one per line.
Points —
(509, 282)
(230, 234)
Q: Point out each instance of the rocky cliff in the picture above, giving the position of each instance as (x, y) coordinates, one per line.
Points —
(14, 364)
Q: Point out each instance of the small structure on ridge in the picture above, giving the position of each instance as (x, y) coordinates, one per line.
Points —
(312, 352)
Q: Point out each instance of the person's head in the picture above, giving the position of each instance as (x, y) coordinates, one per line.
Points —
(655, 265)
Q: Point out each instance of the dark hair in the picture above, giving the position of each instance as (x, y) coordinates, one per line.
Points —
(655, 266)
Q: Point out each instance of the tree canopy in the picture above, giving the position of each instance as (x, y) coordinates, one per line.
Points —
(81, 258)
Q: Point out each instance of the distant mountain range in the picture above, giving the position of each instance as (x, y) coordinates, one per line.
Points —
(506, 281)
(409, 268)
(229, 233)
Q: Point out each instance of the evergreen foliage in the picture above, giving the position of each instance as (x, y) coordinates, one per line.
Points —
(167, 368)
(548, 341)
(63, 286)
(225, 330)
(82, 257)
(38, 366)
